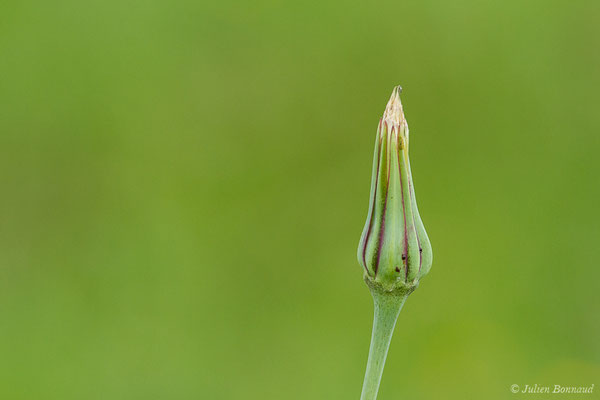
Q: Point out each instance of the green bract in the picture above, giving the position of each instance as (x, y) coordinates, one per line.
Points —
(394, 248)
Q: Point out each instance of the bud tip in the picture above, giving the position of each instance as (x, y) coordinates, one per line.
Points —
(393, 114)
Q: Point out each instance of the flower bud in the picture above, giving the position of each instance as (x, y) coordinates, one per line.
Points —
(394, 248)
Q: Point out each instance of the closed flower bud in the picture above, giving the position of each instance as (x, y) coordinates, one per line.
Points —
(394, 249)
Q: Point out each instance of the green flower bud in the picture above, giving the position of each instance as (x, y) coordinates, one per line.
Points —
(394, 249)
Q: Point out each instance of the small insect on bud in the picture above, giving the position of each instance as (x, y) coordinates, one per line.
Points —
(394, 249)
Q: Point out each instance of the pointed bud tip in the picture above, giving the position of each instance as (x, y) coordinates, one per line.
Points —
(394, 114)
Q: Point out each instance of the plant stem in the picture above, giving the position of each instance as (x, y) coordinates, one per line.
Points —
(387, 308)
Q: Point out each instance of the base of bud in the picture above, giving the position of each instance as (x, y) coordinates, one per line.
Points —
(396, 289)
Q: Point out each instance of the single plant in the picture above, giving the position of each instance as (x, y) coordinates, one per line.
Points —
(394, 249)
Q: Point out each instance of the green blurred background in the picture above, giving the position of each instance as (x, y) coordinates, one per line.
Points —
(184, 183)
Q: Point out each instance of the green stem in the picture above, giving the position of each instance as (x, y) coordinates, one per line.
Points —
(387, 309)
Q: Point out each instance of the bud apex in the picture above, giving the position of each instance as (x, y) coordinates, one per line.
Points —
(394, 248)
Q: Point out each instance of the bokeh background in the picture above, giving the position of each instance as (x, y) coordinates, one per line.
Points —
(183, 185)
